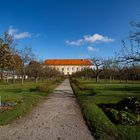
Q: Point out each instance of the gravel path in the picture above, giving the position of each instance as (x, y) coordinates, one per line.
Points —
(57, 118)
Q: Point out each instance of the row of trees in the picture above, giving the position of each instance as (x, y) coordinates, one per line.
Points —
(36, 70)
(18, 64)
(124, 66)
(111, 69)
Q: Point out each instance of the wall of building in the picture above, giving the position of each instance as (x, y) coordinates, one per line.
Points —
(70, 69)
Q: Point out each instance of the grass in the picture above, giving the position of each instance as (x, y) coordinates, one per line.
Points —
(103, 81)
(90, 95)
(26, 95)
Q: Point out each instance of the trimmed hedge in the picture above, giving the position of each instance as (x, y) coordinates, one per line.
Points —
(99, 124)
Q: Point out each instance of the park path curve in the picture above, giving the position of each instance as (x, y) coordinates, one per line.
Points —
(57, 118)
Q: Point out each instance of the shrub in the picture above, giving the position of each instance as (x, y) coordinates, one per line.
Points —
(130, 104)
(42, 88)
(123, 117)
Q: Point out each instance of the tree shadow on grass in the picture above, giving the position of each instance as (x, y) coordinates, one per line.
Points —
(129, 89)
(88, 93)
(15, 90)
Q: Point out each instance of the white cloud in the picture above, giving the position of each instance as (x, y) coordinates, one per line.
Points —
(97, 38)
(22, 35)
(92, 49)
(12, 31)
(18, 35)
(90, 39)
(75, 43)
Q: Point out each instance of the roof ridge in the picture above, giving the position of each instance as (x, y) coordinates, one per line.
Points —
(68, 62)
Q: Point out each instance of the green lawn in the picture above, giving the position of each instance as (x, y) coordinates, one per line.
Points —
(26, 96)
(90, 95)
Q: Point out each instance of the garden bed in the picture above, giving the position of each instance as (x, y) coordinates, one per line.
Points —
(126, 112)
(7, 105)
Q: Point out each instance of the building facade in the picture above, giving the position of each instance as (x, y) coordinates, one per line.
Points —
(69, 66)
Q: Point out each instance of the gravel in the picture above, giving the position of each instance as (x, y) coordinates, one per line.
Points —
(57, 118)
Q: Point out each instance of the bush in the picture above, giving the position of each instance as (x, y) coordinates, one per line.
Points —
(130, 104)
(123, 117)
(80, 85)
(108, 96)
(99, 124)
(42, 88)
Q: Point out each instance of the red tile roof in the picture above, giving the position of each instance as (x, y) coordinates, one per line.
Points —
(67, 62)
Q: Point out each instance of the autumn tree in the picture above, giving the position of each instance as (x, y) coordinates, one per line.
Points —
(9, 47)
(6, 58)
(34, 70)
(18, 64)
(49, 73)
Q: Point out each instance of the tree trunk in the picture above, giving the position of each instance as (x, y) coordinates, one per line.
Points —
(120, 79)
(97, 78)
(110, 78)
(7, 80)
(105, 78)
(113, 78)
(22, 80)
(36, 80)
(13, 76)
(133, 77)
(126, 80)
(23, 76)
(2, 79)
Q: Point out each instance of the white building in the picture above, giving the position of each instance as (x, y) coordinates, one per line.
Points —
(69, 66)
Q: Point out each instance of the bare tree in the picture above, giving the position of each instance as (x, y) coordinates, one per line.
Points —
(98, 63)
(9, 40)
(27, 55)
(108, 68)
(130, 51)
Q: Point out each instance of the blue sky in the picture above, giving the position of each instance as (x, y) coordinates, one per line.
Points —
(69, 28)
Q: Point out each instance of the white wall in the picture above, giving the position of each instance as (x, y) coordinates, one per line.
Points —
(69, 70)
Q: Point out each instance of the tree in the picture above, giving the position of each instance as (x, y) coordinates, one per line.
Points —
(34, 70)
(18, 61)
(49, 73)
(6, 58)
(98, 63)
(131, 45)
(85, 73)
(27, 55)
(108, 68)
(9, 41)
(18, 64)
